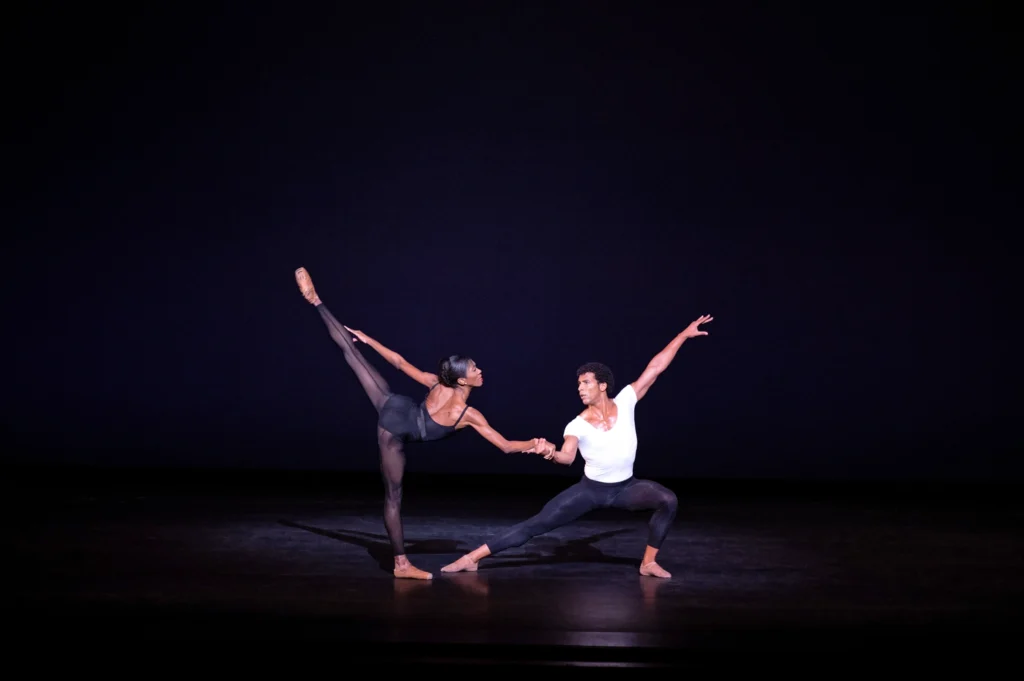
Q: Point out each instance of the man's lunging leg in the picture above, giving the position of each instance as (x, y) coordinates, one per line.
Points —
(392, 468)
(644, 495)
(567, 506)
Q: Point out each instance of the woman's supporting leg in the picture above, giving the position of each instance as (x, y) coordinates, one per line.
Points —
(392, 468)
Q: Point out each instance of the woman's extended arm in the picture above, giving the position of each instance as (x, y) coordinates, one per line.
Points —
(396, 360)
(475, 419)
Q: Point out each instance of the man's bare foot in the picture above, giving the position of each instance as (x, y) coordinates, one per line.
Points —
(306, 286)
(652, 569)
(464, 564)
(411, 572)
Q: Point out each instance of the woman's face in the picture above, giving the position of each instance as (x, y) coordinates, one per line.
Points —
(474, 377)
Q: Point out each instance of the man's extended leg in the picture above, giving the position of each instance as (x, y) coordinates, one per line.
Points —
(566, 506)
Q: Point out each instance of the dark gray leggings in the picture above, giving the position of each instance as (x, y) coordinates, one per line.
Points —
(588, 495)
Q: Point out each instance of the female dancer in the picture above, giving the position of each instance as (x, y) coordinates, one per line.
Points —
(400, 419)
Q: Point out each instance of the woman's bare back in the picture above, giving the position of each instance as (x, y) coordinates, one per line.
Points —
(444, 405)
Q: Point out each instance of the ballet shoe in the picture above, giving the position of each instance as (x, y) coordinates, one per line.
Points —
(652, 569)
(305, 283)
(411, 572)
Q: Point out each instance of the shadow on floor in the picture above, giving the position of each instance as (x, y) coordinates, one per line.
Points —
(379, 548)
(573, 551)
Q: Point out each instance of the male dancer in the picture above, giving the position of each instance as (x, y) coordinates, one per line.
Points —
(605, 434)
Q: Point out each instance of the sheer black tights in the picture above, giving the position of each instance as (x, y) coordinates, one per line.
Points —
(392, 453)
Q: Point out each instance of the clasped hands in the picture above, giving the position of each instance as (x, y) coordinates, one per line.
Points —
(542, 446)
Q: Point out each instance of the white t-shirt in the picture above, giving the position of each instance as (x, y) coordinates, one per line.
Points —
(609, 454)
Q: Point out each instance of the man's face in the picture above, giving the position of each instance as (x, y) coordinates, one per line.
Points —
(589, 389)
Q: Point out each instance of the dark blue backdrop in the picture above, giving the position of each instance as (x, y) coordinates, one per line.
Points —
(534, 187)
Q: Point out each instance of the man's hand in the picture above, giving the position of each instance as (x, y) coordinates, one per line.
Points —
(692, 331)
(541, 446)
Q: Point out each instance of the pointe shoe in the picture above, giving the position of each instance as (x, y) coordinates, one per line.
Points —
(652, 569)
(411, 572)
(306, 285)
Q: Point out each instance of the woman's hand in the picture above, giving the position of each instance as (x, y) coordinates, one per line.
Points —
(358, 335)
(541, 446)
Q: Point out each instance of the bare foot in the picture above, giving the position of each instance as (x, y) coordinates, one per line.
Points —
(464, 564)
(411, 572)
(652, 569)
(305, 283)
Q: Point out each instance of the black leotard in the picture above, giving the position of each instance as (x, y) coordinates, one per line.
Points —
(399, 420)
(405, 419)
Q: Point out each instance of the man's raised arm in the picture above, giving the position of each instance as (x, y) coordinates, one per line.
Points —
(661, 360)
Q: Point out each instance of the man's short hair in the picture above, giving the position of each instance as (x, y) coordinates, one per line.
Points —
(602, 373)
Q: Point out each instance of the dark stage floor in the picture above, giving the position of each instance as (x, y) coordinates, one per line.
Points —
(930, 574)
